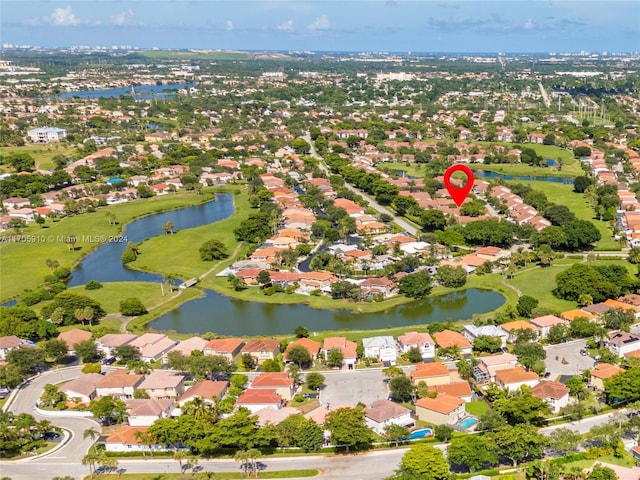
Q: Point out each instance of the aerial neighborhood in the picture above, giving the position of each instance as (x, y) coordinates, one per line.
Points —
(220, 255)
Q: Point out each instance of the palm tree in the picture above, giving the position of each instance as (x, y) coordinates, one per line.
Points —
(634, 255)
(107, 462)
(243, 459)
(93, 434)
(145, 439)
(179, 456)
(192, 463)
(168, 227)
(90, 459)
(252, 455)
(79, 314)
(57, 316)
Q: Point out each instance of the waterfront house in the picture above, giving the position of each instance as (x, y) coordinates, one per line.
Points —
(109, 342)
(11, 342)
(512, 328)
(554, 393)
(421, 341)
(262, 349)
(255, 400)
(347, 347)
(431, 374)
(601, 372)
(73, 337)
(471, 332)
(152, 346)
(442, 410)
(310, 281)
(384, 412)
(142, 412)
(382, 348)
(83, 388)
(311, 346)
(448, 338)
(210, 391)
(118, 384)
(513, 378)
(162, 384)
(228, 348)
(187, 347)
(546, 323)
(378, 286)
(278, 381)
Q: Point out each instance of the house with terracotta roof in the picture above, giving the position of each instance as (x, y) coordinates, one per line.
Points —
(127, 439)
(512, 328)
(187, 347)
(83, 388)
(211, 391)
(262, 349)
(11, 342)
(449, 338)
(255, 400)
(162, 384)
(546, 323)
(622, 343)
(109, 342)
(554, 393)
(309, 345)
(431, 374)
(278, 381)
(601, 372)
(514, 378)
(492, 364)
(378, 286)
(384, 412)
(118, 384)
(310, 281)
(571, 315)
(461, 390)
(228, 348)
(142, 412)
(442, 410)
(347, 347)
(73, 337)
(421, 341)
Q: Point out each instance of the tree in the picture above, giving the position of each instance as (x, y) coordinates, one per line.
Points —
(180, 456)
(271, 365)
(490, 421)
(310, 436)
(432, 220)
(348, 428)
(52, 398)
(617, 319)
(335, 357)
(91, 433)
(452, 277)
(87, 351)
(634, 255)
(264, 278)
(525, 305)
(26, 360)
(599, 472)
(395, 433)
(248, 362)
(416, 285)
(132, 307)
(423, 462)
(443, 433)
(301, 146)
(10, 376)
(301, 332)
(519, 442)
(213, 250)
(625, 385)
(91, 459)
(581, 152)
(71, 302)
(577, 387)
(107, 407)
(529, 353)
(522, 407)
(168, 227)
(414, 355)
(314, 380)
(486, 343)
(55, 350)
(580, 234)
(564, 441)
(401, 388)
(126, 353)
(471, 451)
(559, 215)
(298, 355)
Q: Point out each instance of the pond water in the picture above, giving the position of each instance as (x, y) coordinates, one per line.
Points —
(487, 174)
(142, 92)
(104, 264)
(229, 316)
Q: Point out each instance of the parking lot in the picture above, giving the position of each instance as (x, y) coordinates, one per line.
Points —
(350, 387)
(565, 359)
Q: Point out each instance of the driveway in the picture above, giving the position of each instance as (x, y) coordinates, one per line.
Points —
(565, 359)
(351, 387)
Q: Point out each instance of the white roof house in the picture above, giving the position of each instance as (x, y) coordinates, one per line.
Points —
(383, 348)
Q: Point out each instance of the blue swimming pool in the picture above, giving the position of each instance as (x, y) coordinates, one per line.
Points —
(424, 432)
(468, 422)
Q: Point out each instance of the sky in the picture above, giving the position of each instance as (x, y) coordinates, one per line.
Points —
(328, 25)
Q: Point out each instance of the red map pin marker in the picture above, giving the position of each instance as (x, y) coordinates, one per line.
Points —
(458, 194)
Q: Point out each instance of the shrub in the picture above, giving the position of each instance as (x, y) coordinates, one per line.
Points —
(132, 307)
(93, 285)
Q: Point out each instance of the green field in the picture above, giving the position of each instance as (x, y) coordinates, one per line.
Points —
(41, 153)
(111, 293)
(562, 194)
(22, 262)
(477, 408)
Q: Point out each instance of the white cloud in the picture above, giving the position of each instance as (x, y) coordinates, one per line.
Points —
(228, 25)
(286, 26)
(124, 18)
(320, 23)
(529, 25)
(63, 17)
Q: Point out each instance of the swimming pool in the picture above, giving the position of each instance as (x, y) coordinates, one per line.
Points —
(468, 422)
(424, 432)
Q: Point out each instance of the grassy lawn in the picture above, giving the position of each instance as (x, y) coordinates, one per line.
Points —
(42, 153)
(138, 324)
(219, 475)
(111, 293)
(477, 408)
(179, 253)
(538, 281)
(524, 170)
(576, 202)
(22, 263)
(626, 461)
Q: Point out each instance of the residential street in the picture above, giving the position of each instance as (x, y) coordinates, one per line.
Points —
(565, 359)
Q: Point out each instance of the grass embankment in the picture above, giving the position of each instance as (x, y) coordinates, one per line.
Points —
(42, 153)
(218, 475)
(562, 194)
(109, 296)
(22, 263)
(538, 282)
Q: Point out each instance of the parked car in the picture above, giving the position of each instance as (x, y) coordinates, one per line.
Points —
(583, 352)
(108, 361)
(4, 392)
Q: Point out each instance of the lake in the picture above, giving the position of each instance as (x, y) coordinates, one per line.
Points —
(229, 316)
(104, 264)
(142, 92)
(487, 174)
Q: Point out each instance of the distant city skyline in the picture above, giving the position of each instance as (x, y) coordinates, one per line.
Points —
(532, 26)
